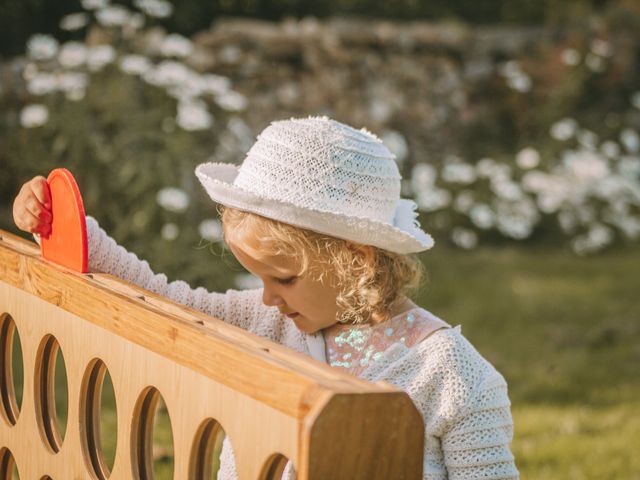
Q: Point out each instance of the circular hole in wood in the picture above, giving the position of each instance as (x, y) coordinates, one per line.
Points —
(274, 467)
(11, 369)
(8, 467)
(205, 451)
(98, 419)
(51, 392)
(152, 439)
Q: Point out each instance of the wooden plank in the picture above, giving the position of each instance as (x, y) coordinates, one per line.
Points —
(284, 379)
(269, 399)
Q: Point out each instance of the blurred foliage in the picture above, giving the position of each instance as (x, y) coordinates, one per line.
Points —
(122, 143)
(19, 19)
(120, 170)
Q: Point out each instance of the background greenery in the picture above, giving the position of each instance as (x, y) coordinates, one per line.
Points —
(563, 330)
(21, 18)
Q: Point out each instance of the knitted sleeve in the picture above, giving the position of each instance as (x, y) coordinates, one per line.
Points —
(463, 401)
(476, 445)
(241, 308)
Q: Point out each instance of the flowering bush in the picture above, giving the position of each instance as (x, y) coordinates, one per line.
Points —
(120, 106)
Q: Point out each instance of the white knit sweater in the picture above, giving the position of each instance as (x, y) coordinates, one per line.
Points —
(461, 396)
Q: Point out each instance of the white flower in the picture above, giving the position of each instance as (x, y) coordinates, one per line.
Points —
(42, 83)
(396, 142)
(136, 22)
(630, 139)
(516, 219)
(423, 176)
(505, 188)
(42, 47)
(168, 73)
(215, 84)
(629, 225)
(464, 238)
(601, 47)
(611, 187)
(635, 99)
(482, 216)
(99, 56)
(458, 172)
(73, 84)
(154, 8)
(535, 180)
(173, 199)
(241, 131)
(175, 45)
(485, 167)
(433, 199)
(629, 166)
(231, 101)
(135, 64)
(595, 63)
(610, 149)
(170, 231)
(113, 16)
(587, 139)
(72, 55)
(527, 158)
(520, 83)
(193, 115)
(564, 129)
(30, 71)
(74, 21)
(192, 87)
(516, 78)
(94, 4)
(510, 68)
(585, 166)
(571, 56)
(464, 201)
(598, 237)
(211, 230)
(34, 115)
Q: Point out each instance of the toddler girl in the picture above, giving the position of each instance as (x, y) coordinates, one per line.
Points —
(315, 212)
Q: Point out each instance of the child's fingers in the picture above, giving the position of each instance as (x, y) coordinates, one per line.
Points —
(40, 188)
(28, 222)
(37, 209)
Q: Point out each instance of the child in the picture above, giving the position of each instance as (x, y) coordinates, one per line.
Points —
(315, 212)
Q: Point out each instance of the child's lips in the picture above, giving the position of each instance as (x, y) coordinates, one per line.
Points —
(292, 315)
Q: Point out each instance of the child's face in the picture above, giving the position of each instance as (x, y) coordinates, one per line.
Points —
(313, 301)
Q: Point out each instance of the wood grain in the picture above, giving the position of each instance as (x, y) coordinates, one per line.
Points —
(270, 401)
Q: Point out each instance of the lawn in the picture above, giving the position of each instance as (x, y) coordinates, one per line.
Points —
(565, 333)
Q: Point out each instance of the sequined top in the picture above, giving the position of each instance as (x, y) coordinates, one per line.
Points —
(355, 347)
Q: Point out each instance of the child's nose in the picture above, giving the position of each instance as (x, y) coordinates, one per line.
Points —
(271, 299)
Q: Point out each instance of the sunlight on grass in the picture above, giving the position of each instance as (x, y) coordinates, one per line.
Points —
(577, 442)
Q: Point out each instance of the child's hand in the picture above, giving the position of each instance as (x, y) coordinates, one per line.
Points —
(32, 207)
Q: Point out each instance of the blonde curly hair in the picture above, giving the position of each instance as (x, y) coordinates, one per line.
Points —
(371, 279)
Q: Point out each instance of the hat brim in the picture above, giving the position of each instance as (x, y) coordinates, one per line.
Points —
(217, 179)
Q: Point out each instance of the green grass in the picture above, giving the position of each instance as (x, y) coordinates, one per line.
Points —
(565, 333)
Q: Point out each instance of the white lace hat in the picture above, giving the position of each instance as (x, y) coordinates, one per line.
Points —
(321, 175)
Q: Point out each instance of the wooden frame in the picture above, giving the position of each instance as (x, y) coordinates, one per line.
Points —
(273, 403)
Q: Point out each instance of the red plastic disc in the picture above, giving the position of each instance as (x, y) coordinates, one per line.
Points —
(66, 244)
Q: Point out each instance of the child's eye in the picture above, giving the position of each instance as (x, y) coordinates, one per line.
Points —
(286, 281)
